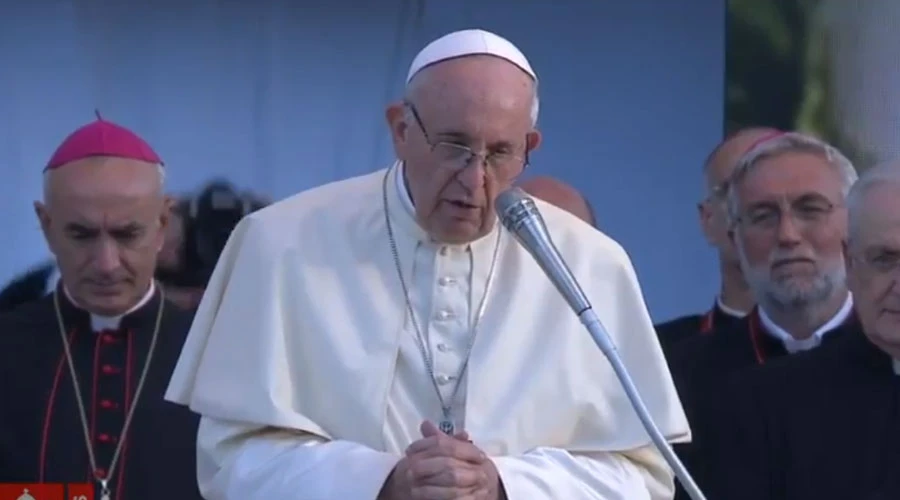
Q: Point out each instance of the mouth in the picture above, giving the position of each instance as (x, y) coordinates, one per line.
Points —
(792, 262)
(463, 205)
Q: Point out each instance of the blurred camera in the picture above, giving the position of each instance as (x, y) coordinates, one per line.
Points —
(209, 217)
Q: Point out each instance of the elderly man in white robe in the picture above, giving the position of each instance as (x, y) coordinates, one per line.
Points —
(383, 337)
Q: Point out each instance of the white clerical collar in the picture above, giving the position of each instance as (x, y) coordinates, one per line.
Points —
(405, 197)
(99, 323)
(730, 311)
(793, 345)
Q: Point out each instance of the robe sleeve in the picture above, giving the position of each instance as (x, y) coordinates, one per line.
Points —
(555, 473)
(235, 461)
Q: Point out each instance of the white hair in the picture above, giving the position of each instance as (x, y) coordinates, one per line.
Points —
(413, 85)
(887, 173)
(791, 142)
(49, 173)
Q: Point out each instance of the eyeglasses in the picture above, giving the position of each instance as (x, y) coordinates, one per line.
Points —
(456, 157)
(806, 212)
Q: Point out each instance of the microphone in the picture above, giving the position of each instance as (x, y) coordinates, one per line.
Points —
(521, 217)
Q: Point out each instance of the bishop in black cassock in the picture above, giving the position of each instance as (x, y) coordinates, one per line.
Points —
(83, 370)
(718, 169)
(824, 425)
(785, 197)
(41, 437)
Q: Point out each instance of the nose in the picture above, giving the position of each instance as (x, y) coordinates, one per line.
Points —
(106, 257)
(788, 232)
(472, 175)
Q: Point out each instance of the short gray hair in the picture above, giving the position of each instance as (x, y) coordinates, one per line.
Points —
(790, 142)
(879, 175)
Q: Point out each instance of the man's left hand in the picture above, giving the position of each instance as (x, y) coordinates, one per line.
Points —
(450, 458)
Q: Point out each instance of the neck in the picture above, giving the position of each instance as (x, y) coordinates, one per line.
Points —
(142, 299)
(734, 292)
(801, 323)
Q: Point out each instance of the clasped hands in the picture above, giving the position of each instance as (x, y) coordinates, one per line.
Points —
(443, 467)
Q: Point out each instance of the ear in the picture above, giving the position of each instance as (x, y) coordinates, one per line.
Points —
(40, 210)
(703, 214)
(165, 215)
(848, 261)
(533, 140)
(395, 115)
(43, 216)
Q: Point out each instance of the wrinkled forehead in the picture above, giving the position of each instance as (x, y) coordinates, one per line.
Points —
(878, 217)
(791, 175)
(476, 95)
(103, 190)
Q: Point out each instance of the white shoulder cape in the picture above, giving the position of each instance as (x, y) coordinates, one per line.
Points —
(300, 325)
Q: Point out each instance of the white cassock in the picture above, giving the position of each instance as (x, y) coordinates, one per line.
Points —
(303, 361)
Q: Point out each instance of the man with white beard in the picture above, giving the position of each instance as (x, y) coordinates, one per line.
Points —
(786, 206)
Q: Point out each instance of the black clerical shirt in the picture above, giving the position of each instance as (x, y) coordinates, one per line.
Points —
(41, 435)
(674, 331)
(701, 367)
(823, 425)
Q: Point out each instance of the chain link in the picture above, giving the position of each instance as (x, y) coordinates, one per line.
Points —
(422, 340)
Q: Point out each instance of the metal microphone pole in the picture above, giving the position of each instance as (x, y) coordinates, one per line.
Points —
(521, 217)
(590, 321)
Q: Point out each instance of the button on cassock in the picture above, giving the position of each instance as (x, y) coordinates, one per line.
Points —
(446, 281)
(442, 379)
(444, 314)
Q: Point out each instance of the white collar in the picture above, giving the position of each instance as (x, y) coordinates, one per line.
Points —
(793, 345)
(897, 366)
(99, 323)
(404, 192)
(730, 311)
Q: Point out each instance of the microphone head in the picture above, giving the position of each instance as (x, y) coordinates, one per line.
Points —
(513, 206)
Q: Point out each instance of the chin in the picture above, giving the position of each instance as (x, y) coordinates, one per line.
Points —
(109, 305)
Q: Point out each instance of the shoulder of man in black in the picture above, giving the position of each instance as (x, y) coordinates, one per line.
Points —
(27, 287)
(699, 365)
(810, 425)
(674, 331)
(27, 324)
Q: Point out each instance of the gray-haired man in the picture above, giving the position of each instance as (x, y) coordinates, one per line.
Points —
(788, 221)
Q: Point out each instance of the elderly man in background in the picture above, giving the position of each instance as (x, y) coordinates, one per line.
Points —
(735, 298)
(561, 195)
(83, 370)
(397, 347)
(788, 222)
(824, 424)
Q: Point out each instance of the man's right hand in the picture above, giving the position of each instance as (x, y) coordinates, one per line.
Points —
(439, 467)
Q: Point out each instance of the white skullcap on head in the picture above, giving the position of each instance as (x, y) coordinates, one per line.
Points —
(469, 43)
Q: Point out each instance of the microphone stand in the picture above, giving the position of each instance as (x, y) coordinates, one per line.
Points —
(592, 323)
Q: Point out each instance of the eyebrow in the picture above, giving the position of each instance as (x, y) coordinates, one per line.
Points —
(462, 137)
(76, 227)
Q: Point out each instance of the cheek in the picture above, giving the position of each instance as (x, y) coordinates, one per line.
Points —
(756, 249)
(428, 189)
(828, 244)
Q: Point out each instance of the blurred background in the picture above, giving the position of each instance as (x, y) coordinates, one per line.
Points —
(262, 99)
(278, 96)
(828, 67)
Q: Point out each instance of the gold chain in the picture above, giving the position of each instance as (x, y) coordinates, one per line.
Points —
(104, 481)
